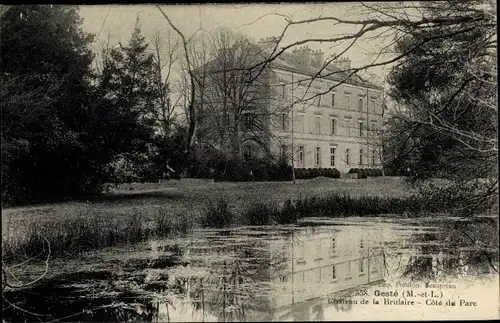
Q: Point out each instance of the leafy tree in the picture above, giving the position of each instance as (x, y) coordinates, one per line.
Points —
(128, 83)
(446, 91)
(45, 71)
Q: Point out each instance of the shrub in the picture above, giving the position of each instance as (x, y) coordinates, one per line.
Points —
(361, 173)
(261, 214)
(218, 215)
(288, 213)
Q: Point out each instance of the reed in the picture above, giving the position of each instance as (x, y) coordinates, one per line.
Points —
(89, 232)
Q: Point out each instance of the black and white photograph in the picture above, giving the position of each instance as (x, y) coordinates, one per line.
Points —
(233, 162)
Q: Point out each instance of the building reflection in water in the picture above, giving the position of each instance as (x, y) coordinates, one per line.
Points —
(259, 274)
(286, 277)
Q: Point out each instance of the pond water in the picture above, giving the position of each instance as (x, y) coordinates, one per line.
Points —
(322, 269)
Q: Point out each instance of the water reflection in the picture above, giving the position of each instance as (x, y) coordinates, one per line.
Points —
(247, 278)
(260, 274)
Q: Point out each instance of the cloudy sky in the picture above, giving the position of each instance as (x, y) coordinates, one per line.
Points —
(255, 20)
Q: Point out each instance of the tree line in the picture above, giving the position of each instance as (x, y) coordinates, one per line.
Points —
(69, 128)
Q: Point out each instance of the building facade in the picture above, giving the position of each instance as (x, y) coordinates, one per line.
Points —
(315, 120)
(333, 118)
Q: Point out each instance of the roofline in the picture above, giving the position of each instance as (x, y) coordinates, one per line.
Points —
(297, 70)
(375, 87)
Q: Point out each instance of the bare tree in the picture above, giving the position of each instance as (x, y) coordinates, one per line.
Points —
(190, 71)
(234, 108)
(389, 23)
(165, 49)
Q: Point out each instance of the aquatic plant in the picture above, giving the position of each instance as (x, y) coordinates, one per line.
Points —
(89, 232)
(218, 214)
(333, 205)
(261, 213)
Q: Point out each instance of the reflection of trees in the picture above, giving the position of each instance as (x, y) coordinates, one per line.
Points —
(420, 266)
(63, 301)
(470, 248)
(237, 285)
(229, 277)
(318, 312)
(343, 307)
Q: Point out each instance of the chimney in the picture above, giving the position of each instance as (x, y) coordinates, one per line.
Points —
(302, 55)
(268, 43)
(344, 64)
(317, 58)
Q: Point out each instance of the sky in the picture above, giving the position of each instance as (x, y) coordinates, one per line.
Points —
(254, 20)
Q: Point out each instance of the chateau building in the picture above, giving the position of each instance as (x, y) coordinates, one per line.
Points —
(318, 116)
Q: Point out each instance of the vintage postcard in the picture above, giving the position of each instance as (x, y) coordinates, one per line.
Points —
(250, 162)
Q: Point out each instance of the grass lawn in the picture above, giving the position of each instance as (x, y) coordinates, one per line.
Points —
(130, 213)
(190, 196)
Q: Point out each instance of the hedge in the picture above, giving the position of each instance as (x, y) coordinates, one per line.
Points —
(254, 170)
(365, 172)
(308, 173)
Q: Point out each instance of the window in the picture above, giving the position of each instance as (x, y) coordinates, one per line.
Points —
(348, 101)
(349, 269)
(318, 125)
(318, 156)
(318, 249)
(361, 265)
(284, 121)
(347, 157)
(283, 91)
(301, 155)
(248, 152)
(332, 156)
(333, 100)
(301, 123)
(319, 100)
(373, 157)
(284, 253)
(318, 275)
(284, 279)
(334, 246)
(248, 119)
(361, 244)
(283, 151)
(300, 251)
(360, 104)
(334, 125)
(360, 128)
(374, 106)
(361, 157)
(334, 272)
